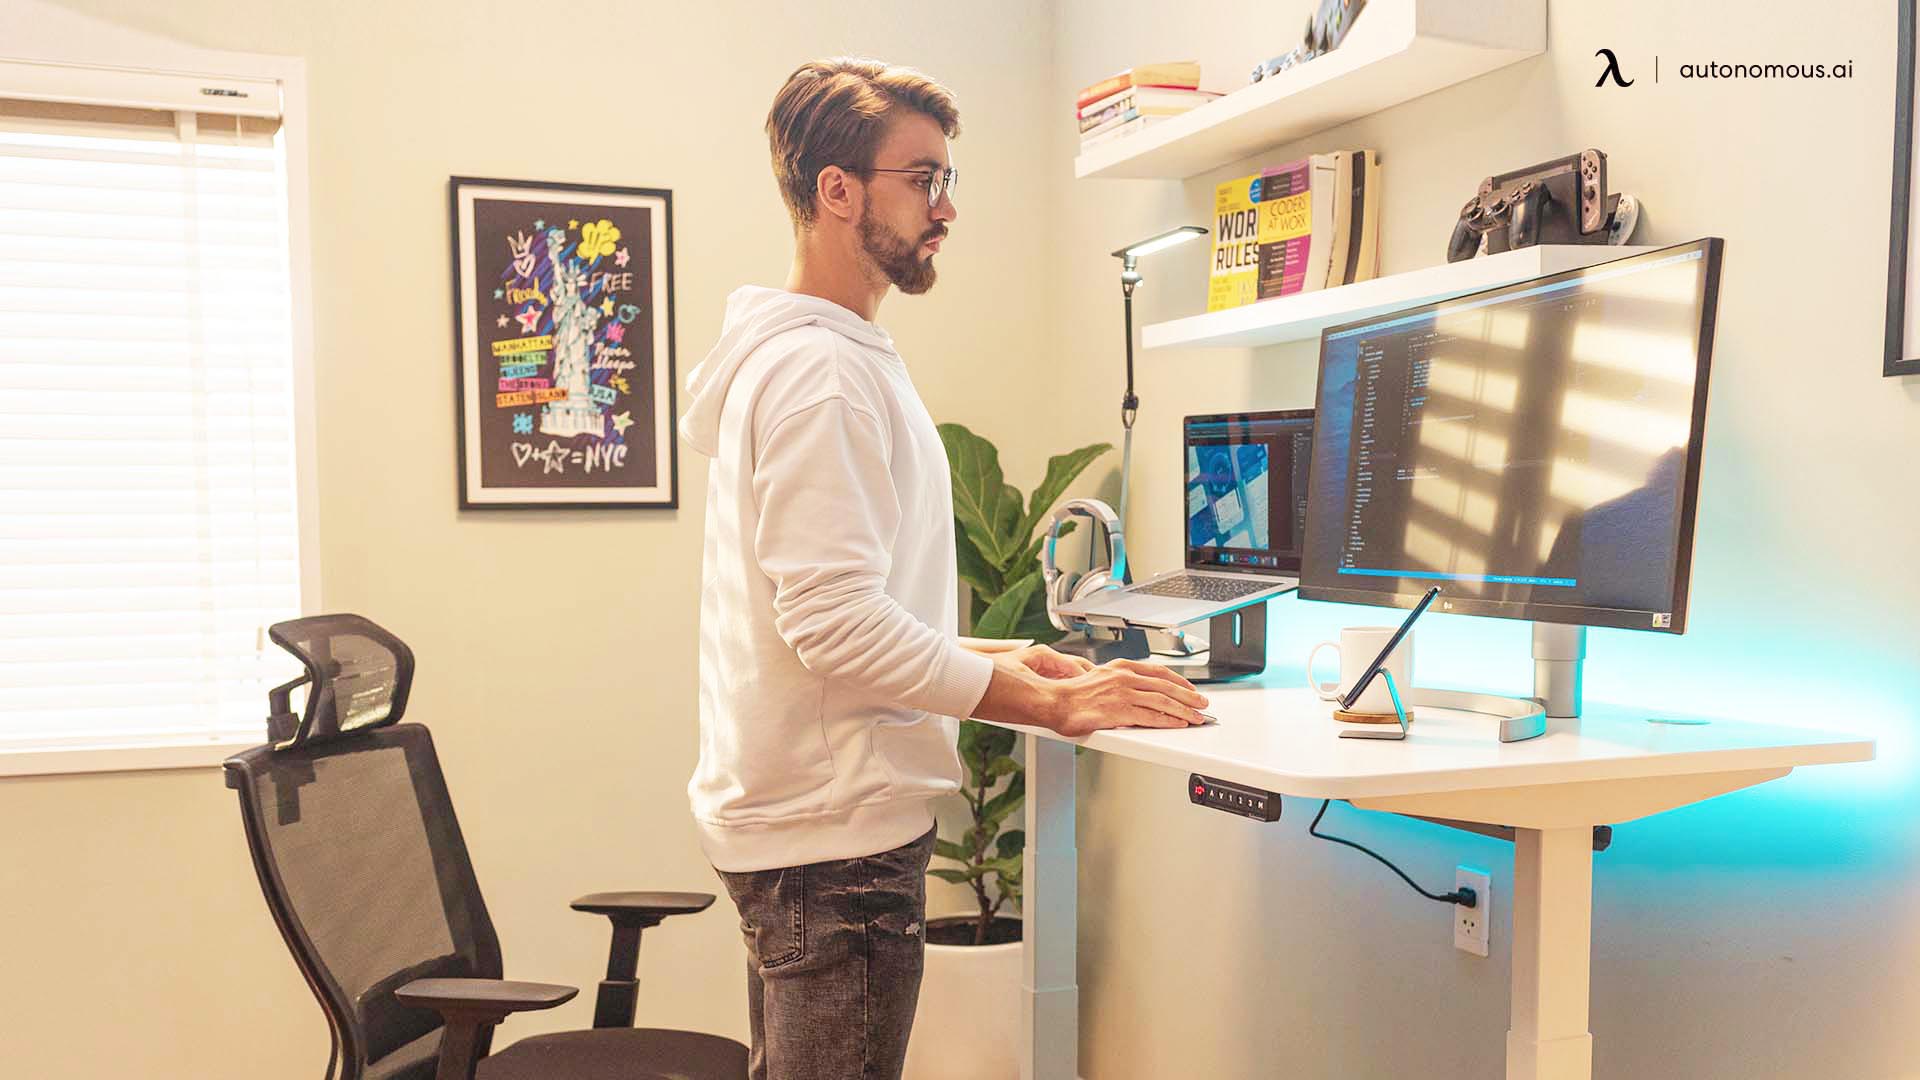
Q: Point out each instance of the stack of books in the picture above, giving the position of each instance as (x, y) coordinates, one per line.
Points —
(1309, 224)
(1134, 99)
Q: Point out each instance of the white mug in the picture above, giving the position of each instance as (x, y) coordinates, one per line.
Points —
(1358, 645)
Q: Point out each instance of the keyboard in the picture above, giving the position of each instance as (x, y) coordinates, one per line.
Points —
(1196, 587)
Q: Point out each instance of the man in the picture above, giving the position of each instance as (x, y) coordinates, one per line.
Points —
(829, 665)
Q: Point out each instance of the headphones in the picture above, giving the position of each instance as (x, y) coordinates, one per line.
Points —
(1065, 587)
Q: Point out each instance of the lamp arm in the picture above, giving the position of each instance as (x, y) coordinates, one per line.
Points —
(1129, 401)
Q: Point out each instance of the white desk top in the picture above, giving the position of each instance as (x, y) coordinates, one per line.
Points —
(1284, 739)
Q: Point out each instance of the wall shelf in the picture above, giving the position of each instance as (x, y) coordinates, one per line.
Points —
(1303, 315)
(1398, 50)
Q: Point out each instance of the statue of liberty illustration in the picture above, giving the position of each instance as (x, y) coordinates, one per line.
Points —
(573, 326)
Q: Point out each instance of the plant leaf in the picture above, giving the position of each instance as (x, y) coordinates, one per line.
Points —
(1010, 843)
(995, 742)
(1062, 469)
(1002, 766)
(967, 744)
(998, 807)
(1008, 867)
(1006, 527)
(1034, 622)
(976, 839)
(978, 491)
(1001, 616)
(958, 877)
(979, 575)
(947, 849)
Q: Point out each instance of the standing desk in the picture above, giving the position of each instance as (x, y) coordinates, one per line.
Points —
(1606, 767)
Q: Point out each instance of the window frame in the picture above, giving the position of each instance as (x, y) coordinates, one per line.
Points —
(83, 68)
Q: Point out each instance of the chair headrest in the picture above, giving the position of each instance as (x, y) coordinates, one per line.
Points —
(358, 676)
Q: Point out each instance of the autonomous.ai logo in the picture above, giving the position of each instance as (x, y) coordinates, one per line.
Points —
(1612, 70)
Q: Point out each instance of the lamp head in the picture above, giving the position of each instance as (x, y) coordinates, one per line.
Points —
(1159, 243)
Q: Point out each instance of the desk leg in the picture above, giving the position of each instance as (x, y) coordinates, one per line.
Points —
(1552, 951)
(1050, 1011)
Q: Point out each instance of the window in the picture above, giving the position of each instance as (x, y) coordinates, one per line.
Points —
(150, 518)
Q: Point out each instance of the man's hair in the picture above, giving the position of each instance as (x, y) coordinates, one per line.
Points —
(835, 112)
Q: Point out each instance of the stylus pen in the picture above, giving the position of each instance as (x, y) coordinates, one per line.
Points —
(1373, 669)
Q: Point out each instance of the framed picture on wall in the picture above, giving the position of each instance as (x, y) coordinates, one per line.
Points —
(563, 330)
(1903, 276)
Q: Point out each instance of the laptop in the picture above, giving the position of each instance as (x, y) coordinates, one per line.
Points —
(1243, 513)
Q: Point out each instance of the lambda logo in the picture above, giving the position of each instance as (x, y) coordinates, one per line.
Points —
(1612, 70)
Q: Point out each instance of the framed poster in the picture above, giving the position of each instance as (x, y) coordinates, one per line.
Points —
(1903, 305)
(563, 323)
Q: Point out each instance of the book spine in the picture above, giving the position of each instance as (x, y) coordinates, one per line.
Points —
(1125, 106)
(1104, 88)
(1369, 165)
(1104, 103)
(1234, 277)
(1284, 229)
(1323, 180)
(1339, 196)
(1137, 124)
(1356, 222)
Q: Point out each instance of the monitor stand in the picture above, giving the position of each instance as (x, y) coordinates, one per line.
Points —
(1558, 653)
(1236, 646)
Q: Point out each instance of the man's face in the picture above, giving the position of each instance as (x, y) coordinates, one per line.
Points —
(898, 231)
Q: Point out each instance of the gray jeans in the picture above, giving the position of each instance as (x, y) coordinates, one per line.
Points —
(834, 956)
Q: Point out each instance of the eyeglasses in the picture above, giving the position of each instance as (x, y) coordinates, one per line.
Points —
(936, 181)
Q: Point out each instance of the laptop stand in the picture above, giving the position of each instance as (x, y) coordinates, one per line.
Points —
(1236, 646)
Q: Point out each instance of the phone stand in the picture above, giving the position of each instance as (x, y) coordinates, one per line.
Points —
(1236, 646)
(1520, 718)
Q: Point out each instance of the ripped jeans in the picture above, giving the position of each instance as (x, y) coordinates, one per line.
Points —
(834, 956)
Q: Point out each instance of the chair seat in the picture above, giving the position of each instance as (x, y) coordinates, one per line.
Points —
(618, 1054)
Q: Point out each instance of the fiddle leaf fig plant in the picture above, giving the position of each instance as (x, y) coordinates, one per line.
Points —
(999, 559)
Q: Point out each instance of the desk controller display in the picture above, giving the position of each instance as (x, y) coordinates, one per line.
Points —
(1233, 798)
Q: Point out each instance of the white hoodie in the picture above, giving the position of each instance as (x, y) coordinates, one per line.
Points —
(829, 609)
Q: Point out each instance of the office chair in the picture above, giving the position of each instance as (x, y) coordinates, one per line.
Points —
(364, 869)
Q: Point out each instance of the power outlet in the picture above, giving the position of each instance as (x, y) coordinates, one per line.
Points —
(1471, 925)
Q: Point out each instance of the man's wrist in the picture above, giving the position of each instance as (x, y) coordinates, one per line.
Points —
(1018, 695)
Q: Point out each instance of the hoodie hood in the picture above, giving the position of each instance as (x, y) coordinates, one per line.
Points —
(755, 315)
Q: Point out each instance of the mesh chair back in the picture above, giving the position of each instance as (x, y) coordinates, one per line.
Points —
(359, 675)
(363, 865)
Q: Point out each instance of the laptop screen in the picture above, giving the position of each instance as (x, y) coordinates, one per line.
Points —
(1246, 490)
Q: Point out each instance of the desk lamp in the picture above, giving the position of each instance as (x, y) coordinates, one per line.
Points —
(1129, 257)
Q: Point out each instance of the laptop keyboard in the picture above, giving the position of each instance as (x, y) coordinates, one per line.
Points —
(1196, 587)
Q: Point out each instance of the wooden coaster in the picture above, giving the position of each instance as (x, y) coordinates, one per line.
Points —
(1369, 718)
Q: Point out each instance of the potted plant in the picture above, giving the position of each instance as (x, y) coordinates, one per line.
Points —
(969, 996)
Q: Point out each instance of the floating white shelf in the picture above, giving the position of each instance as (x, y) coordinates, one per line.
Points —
(1304, 315)
(1398, 50)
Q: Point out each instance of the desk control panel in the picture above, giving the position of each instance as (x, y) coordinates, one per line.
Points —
(1233, 798)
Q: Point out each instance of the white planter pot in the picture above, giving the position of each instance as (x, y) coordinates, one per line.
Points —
(969, 1012)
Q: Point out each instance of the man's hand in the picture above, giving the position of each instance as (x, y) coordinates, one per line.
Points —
(1123, 693)
(1047, 663)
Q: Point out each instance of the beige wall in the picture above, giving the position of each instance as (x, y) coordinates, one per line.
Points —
(131, 930)
(1772, 933)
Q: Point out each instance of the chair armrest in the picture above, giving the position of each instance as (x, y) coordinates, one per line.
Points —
(631, 913)
(645, 908)
(484, 996)
(471, 1009)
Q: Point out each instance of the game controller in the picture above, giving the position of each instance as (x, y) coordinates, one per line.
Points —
(1563, 201)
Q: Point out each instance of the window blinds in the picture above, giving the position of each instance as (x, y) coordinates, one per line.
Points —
(148, 521)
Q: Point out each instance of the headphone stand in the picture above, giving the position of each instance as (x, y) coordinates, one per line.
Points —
(1236, 646)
